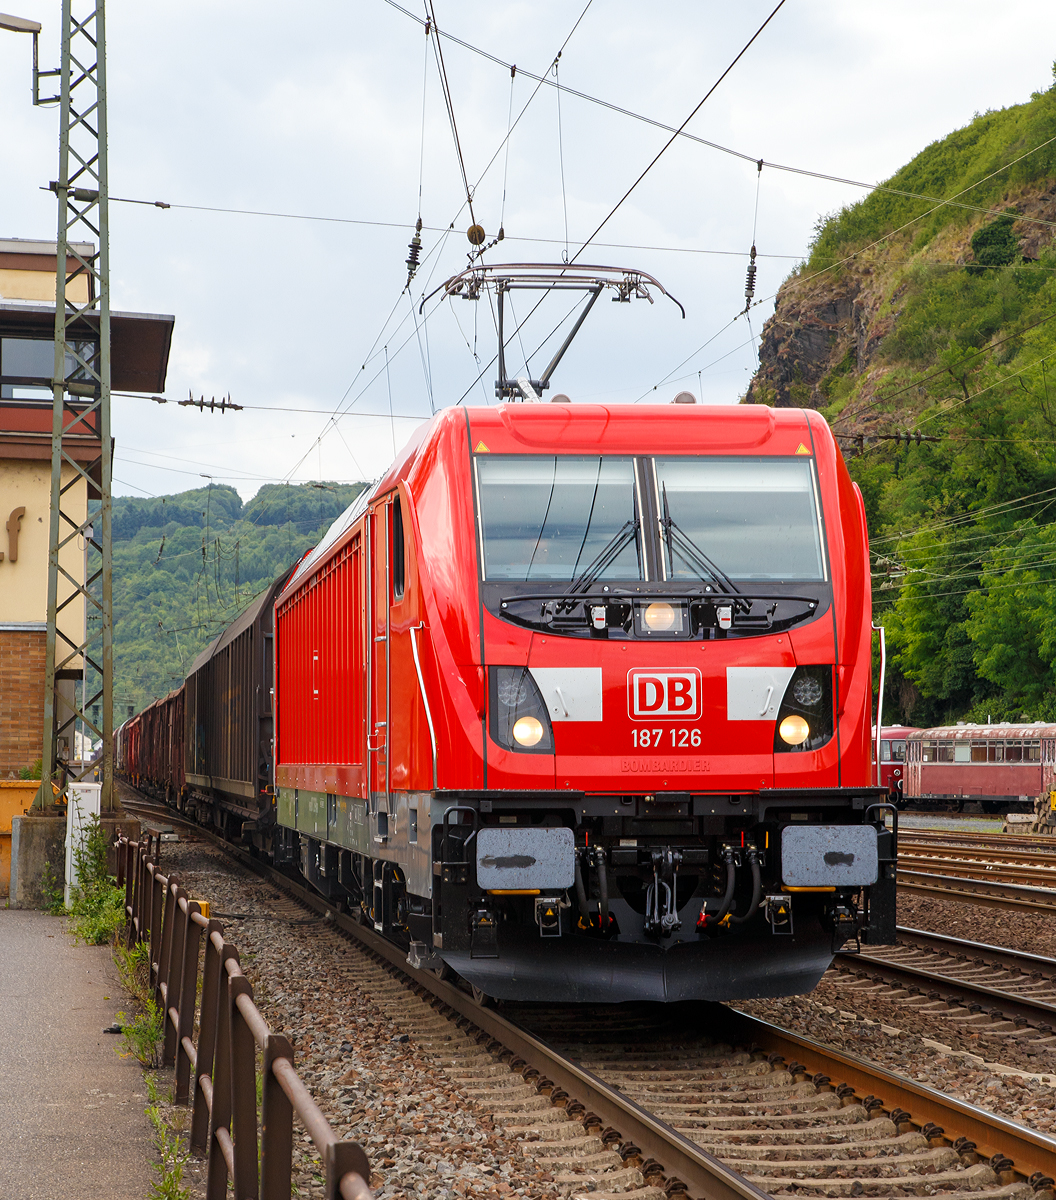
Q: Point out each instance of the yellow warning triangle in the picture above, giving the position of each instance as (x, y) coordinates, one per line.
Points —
(480, 448)
(802, 449)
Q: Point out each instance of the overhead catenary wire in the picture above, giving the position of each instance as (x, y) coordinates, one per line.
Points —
(683, 133)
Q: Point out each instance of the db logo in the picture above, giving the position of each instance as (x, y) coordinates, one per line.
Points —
(653, 694)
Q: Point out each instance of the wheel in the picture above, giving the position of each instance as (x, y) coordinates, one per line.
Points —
(482, 999)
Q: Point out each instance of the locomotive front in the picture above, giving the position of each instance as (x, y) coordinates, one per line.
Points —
(576, 702)
(675, 622)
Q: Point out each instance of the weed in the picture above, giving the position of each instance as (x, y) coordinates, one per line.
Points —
(32, 772)
(142, 1033)
(133, 968)
(98, 904)
(172, 1158)
(152, 1086)
(52, 887)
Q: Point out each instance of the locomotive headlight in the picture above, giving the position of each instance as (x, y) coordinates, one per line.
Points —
(806, 717)
(659, 617)
(794, 730)
(528, 731)
(517, 716)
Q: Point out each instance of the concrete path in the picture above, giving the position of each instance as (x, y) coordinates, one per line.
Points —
(72, 1119)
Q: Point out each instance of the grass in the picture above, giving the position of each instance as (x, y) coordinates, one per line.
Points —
(172, 1150)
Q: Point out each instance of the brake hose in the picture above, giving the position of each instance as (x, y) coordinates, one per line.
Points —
(757, 888)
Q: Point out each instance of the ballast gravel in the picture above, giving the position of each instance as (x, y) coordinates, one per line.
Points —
(981, 1060)
(439, 1117)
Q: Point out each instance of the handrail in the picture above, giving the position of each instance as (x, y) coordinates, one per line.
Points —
(218, 1076)
(425, 698)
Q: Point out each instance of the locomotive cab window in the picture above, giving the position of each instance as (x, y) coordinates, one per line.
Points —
(399, 556)
(553, 517)
(754, 518)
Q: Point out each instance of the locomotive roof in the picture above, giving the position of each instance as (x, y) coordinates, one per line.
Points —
(248, 617)
(333, 535)
(1006, 729)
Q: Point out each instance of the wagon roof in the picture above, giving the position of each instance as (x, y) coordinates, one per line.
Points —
(1007, 729)
(247, 618)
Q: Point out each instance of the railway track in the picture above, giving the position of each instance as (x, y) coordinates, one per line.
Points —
(980, 987)
(1009, 871)
(649, 1102)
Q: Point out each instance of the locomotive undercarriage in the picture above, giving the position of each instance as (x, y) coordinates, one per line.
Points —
(663, 897)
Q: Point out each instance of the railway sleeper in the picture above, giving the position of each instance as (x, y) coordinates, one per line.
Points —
(976, 1182)
(628, 1178)
(774, 1122)
(743, 1076)
(700, 1057)
(863, 1132)
(883, 1165)
(689, 1098)
(851, 1151)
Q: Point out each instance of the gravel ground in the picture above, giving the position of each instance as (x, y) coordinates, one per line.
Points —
(1032, 933)
(928, 1041)
(351, 1027)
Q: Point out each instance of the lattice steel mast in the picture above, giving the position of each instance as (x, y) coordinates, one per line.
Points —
(80, 405)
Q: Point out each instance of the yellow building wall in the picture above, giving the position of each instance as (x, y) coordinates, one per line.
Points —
(24, 581)
(39, 285)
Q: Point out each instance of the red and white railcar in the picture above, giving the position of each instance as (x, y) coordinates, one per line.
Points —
(999, 767)
(893, 760)
(576, 701)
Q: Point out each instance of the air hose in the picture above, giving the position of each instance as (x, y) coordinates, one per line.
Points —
(603, 888)
(581, 894)
(757, 888)
(708, 918)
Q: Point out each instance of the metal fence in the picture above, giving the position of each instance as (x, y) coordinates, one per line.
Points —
(219, 1075)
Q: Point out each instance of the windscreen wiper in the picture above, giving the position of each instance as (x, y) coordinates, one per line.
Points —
(612, 549)
(691, 554)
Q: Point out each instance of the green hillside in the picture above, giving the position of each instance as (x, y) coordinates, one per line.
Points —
(186, 565)
(940, 320)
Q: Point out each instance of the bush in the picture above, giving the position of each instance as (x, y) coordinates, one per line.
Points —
(97, 904)
(994, 245)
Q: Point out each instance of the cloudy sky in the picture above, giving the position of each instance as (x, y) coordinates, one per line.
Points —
(316, 110)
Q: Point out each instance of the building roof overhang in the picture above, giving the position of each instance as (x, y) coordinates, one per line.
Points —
(139, 342)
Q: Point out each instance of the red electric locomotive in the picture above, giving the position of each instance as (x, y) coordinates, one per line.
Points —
(576, 703)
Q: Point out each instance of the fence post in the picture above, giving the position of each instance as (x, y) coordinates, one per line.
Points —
(174, 975)
(243, 1090)
(156, 899)
(167, 931)
(220, 1117)
(217, 953)
(187, 1000)
(339, 1159)
(276, 1120)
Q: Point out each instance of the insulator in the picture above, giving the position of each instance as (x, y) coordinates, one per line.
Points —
(749, 286)
(414, 251)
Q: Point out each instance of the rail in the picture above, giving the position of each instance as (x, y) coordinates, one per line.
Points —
(218, 1076)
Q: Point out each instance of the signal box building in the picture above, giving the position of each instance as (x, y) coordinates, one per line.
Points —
(139, 359)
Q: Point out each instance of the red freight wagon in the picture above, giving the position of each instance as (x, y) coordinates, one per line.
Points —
(1001, 767)
(576, 702)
